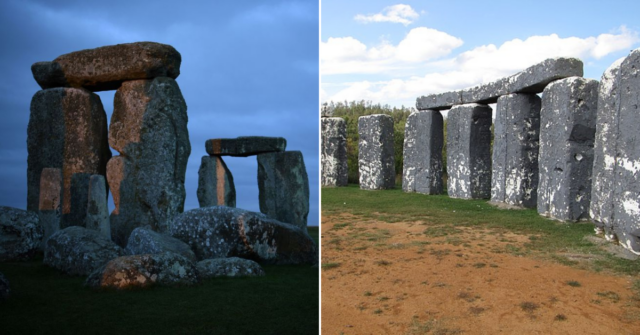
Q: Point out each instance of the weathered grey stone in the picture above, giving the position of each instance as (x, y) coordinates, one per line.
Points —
(67, 130)
(514, 179)
(531, 80)
(105, 68)
(149, 130)
(283, 187)
(49, 209)
(376, 161)
(229, 267)
(218, 232)
(97, 217)
(79, 251)
(334, 152)
(423, 140)
(215, 183)
(469, 151)
(567, 131)
(167, 269)
(20, 234)
(79, 199)
(5, 290)
(144, 241)
(244, 146)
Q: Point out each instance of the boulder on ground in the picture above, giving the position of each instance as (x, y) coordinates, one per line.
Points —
(20, 234)
(219, 232)
(229, 267)
(79, 251)
(5, 291)
(145, 241)
(144, 270)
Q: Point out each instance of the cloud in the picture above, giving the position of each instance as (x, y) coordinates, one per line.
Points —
(395, 14)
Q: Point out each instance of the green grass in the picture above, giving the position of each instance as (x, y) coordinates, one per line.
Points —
(43, 301)
(442, 215)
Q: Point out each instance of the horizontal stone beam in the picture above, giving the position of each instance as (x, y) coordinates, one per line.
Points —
(532, 80)
(244, 146)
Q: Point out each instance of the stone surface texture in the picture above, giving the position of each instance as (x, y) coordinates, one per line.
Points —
(105, 68)
(50, 206)
(244, 146)
(67, 130)
(20, 234)
(567, 132)
(97, 217)
(514, 179)
(79, 251)
(423, 141)
(215, 183)
(149, 130)
(219, 232)
(334, 152)
(166, 269)
(229, 267)
(469, 151)
(283, 187)
(79, 200)
(531, 80)
(145, 241)
(376, 160)
(5, 289)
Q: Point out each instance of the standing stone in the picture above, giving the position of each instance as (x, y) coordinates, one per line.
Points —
(567, 132)
(149, 130)
(376, 161)
(334, 152)
(78, 203)
(283, 187)
(423, 140)
(514, 180)
(469, 151)
(67, 130)
(215, 183)
(49, 209)
(97, 217)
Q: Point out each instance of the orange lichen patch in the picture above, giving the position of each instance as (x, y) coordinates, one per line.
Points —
(221, 183)
(115, 175)
(216, 145)
(50, 189)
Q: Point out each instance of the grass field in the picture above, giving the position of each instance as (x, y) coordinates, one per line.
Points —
(43, 301)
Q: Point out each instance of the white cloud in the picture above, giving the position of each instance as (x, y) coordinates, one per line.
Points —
(396, 14)
(424, 43)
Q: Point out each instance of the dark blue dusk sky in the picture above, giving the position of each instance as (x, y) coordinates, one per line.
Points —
(248, 68)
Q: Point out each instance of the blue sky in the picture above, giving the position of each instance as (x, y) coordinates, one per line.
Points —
(248, 68)
(392, 52)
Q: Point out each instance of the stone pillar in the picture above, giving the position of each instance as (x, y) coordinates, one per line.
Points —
(376, 161)
(283, 187)
(149, 130)
(334, 152)
(215, 183)
(567, 131)
(50, 206)
(469, 151)
(97, 215)
(78, 202)
(67, 130)
(423, 140)
(514, 178)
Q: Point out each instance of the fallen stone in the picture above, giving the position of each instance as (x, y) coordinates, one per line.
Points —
(514, 179)
(469, 151)
(219, 232)
(334, 152)
(244, 146)
(376, 161)
(144, 241)
(5, 290)
(49, 209)
(566, 148)
(79, 251)
(531, 80)
(423, 141)
(149, 130)
(67, 130)
(20, 234)
(229, 267)
(97, 217)
(215, 183)
(106, 68)
(166, 269)
(283, 187)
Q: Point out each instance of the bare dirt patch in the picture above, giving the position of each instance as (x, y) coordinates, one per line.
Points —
(415, 278)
